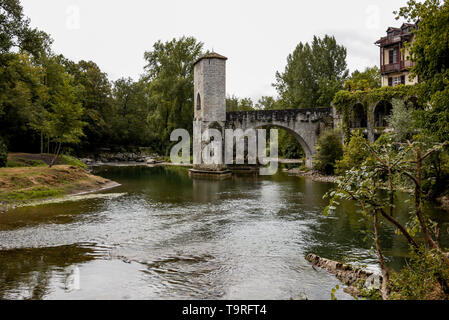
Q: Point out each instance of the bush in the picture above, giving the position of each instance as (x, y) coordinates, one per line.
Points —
(3, 154)
(71, 161)
(426, 277)
(329, 150)
(355, 153)
(401, 120)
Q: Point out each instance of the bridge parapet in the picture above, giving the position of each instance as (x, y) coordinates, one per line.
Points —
(285, 115)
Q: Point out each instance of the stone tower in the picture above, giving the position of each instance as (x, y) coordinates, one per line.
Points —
(210, 88)
(210, 112)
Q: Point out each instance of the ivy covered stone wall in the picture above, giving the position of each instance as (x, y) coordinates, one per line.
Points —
(368, 109)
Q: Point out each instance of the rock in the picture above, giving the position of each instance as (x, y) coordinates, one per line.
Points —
(349, 275)
(87, 161)
(373, 282)
(151, 161)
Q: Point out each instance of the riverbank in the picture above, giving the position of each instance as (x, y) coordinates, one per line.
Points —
(27, 185)
(311, 174)
(359, 282)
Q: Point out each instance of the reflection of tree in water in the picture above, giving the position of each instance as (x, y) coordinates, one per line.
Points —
(27, 273)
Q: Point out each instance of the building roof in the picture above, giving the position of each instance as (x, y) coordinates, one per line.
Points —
(399, 36)
(393, 28)
(211, 55)
(405, 25)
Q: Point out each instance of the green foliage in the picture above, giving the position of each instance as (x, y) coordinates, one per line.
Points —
(314, 73)
(430, 48)
(71, 161)
(16, 33)
(268, 103)
(169, 76)
(233, 103)
(62, 121)
(425, 277)
(355, 153)
(368, 79)
(95, 95)
(329, 151)
(289, 147)
(19, 162)
(365, 186)
(345, 101)
(430, 51)
(33, 193)
(3, 154)
(435, 119)
(402, 121)
(130, 109)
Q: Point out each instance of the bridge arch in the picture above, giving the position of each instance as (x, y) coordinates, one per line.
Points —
(305, 147)
(305, 125)
(381, 111)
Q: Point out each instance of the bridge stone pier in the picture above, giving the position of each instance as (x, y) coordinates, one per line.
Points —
(305, 125)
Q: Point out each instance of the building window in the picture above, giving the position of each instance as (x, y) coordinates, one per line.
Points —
(393, 56)
(395, 81)
(198, 102)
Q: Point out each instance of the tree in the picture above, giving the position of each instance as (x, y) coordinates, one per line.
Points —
(268, 103)
(329, 150)
(401, 121)
(16, 34)
(355, 153)
(390, 161)
(367, 79)
(22, 96)
(314, 73)
(130, 112)
(430, 51)
(169, 76)
(233, 103)
(63, 115)
(3, 153)
(96, 99)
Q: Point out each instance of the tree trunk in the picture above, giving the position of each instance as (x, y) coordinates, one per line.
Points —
(58, 149)
(384, 289)
(418, 207)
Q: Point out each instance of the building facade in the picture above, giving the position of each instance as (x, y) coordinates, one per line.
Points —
(395, 62)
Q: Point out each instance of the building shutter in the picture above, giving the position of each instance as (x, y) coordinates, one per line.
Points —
(390, 81)
(390, 56)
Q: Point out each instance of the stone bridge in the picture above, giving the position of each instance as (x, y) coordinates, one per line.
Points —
(304, 124)
(210, 112)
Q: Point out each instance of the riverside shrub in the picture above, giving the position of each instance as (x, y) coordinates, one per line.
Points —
(329, 151)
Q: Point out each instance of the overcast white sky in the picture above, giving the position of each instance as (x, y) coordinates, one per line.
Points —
(256, 36)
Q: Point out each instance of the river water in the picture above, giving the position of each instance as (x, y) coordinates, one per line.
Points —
(162, 235)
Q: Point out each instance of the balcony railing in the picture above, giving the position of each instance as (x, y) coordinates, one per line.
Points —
(397, 67)
(392, 67)
(408, 64)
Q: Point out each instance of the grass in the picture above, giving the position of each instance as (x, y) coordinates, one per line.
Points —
(71, 161)
(22, 162)
(20, 184)
(32, 194)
